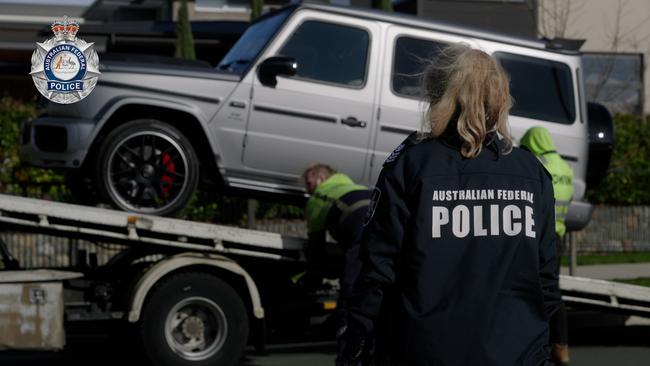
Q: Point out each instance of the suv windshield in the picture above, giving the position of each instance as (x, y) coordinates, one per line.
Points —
(251, 43)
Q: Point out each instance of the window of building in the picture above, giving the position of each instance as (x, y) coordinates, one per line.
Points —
(329, 53)
(614, 80)
(409, 61)
(541, 89)
(221, 5)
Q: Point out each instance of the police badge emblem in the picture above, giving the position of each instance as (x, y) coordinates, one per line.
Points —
(65, 68)
(395, 154)
(372, 206)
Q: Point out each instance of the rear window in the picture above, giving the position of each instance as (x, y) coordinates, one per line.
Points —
(542, 89)
(411, 57)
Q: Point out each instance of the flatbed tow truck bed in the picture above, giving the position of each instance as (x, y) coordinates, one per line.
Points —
(210, 266)
(132, 229)
(83, 222)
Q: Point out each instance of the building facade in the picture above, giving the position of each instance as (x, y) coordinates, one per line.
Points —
(617, 47)
(617, 33)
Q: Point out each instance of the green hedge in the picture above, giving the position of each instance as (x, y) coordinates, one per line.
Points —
(16, 178)
(628, 180)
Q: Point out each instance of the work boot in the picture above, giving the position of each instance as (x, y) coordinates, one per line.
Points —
(560, 353)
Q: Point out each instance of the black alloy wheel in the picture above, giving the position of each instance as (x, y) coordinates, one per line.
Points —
(147, 166)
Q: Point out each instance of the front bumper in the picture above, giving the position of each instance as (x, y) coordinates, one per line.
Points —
(55, 142)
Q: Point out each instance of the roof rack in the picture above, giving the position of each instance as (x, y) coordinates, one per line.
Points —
(564, 44)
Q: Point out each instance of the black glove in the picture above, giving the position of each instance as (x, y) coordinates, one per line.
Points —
(356, 348)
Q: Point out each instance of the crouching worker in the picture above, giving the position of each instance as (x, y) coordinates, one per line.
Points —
(336, 205)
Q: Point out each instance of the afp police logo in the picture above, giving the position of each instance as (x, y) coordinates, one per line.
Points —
(65, 68)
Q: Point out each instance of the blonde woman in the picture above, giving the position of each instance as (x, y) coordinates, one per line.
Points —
(459, 261)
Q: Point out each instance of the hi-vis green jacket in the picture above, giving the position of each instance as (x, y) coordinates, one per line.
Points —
(338, 206)
(540, 143)
(328, 195)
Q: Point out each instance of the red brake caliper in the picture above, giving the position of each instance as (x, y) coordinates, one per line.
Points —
(167, 178)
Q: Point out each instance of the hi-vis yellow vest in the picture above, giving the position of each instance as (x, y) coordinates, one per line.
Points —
(539, 142)
(326, 195)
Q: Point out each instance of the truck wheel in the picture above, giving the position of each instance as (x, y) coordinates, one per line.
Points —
(194, 319)
(147, 166)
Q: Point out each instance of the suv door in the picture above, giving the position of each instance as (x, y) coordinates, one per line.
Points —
(408, 51)
(324, 112)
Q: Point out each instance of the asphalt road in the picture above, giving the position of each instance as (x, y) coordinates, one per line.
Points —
(581, 356)
(599, 343)
(319, 355)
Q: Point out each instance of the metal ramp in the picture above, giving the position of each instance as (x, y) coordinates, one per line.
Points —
(606, 295)
(112, 226)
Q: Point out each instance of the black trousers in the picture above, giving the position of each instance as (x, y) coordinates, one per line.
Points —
(559, 327)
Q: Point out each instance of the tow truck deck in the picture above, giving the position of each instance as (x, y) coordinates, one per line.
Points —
(63, 219)
(245, 259)
(105, 225)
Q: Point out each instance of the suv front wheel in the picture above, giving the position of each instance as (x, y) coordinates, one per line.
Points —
(147, 166)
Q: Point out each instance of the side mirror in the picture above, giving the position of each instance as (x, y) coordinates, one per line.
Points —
(270, 68)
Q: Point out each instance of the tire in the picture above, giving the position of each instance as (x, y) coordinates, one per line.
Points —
(147, 166)
(185, 306)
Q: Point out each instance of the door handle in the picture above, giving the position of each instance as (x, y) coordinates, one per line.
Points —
(353, 122)
(237, 104)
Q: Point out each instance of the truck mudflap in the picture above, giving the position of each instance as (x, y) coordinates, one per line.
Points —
(31, 309)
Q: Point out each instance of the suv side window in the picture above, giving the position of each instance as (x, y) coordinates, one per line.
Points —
(329, 53)
(409, 61)
(542, 89)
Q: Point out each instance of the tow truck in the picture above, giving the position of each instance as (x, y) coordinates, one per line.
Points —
(197, 292)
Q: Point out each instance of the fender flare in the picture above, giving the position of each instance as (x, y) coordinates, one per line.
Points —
(184, 260)
(116, 103)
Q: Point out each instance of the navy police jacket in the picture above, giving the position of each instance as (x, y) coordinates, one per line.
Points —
(459, 258)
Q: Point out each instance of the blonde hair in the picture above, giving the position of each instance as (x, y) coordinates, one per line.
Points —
(468, 87)
(322, 169)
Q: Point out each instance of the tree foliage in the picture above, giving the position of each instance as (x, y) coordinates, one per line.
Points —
(628, 181)
(184, 39)
(383, 5)
(257, 7)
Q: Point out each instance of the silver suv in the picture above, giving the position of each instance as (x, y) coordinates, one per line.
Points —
(308, 83)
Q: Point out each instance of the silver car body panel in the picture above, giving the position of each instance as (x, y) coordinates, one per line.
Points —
(299, 120)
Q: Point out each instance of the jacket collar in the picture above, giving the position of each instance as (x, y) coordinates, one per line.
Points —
(451, 138)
